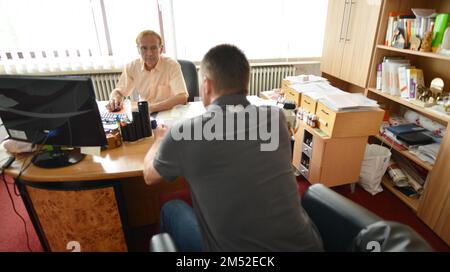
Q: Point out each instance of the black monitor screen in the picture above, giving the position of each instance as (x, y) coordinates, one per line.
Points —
(59, 111)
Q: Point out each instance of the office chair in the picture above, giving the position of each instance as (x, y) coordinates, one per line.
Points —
(343, 226)
(190, 77)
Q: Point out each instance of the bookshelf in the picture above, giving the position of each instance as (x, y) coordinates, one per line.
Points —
(411, 202)
(416, 53)
(407, 154)
(433, 207)
(432, 114)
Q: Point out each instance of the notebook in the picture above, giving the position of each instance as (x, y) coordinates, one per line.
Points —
(415, 138)
(404, 128)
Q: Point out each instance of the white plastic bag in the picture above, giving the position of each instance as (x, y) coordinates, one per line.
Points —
(374, 165)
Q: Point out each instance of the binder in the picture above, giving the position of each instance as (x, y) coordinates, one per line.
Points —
(415, 138)
(405, 128)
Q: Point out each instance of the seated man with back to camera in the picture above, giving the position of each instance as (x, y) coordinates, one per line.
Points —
(158, 79)
(243, 189)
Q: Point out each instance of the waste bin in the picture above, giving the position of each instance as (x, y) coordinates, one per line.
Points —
(374, 165)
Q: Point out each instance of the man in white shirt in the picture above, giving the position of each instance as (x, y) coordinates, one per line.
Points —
(157, 79)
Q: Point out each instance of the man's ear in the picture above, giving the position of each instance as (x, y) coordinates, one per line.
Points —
(208, 86)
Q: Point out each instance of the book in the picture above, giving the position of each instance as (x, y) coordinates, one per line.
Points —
(415, 138)
(405, 128)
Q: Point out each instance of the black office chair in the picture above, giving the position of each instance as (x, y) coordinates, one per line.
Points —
(343, 226)
(190, 77)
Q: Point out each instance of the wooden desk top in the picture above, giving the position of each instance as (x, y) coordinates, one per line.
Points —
(125, 161)
(122, 162)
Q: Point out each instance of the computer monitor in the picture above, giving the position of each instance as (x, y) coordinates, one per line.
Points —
(57, 111)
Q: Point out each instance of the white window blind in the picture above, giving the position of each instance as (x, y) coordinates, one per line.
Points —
(71, 35)
(46, 35)
(263, 29)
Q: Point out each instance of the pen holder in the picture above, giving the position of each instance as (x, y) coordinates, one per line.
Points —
(144, 119)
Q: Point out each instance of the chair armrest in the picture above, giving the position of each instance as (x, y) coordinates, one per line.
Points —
(338, 219)
(162, 242)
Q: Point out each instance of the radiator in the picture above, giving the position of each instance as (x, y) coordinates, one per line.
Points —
(104, 84)
(262, 78)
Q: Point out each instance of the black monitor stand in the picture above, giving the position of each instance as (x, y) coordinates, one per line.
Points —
(57, 158)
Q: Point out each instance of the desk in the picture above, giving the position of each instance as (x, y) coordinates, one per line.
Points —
(93, 202)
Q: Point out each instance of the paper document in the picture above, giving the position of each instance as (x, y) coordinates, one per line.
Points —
(348, 101)
(257, 101)
(90, 150)
(305, 79)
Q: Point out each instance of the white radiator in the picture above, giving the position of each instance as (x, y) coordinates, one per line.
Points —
(104, 84)
(262, 78)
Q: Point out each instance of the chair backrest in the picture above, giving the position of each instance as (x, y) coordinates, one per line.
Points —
(347, 226)
(190, 77)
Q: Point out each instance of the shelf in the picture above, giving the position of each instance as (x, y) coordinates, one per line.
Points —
(407, 154)
(411, 202)
(440, 117)
(417, 53)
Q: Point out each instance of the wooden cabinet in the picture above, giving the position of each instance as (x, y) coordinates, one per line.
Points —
(433, 207)
(349, 38)
(330, 161)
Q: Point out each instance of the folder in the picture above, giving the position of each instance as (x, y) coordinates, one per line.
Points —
(415, 138)
(404, 128)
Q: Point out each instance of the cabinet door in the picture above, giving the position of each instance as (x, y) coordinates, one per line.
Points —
(434, 208)
(333, 45)
(359, 40)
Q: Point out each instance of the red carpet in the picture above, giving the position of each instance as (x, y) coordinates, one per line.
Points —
(12, 235)
(384, 204)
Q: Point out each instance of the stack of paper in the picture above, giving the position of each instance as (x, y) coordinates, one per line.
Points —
(305, 79)
(348, 102)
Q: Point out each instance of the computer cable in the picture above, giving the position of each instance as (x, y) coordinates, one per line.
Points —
(3, 167)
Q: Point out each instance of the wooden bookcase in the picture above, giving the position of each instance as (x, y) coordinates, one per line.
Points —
(433, 207)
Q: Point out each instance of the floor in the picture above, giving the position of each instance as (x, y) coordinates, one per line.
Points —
(14, 238)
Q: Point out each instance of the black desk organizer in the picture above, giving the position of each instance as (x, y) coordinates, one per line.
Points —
(140, 127)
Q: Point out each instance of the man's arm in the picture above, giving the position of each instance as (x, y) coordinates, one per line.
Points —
(151, 176)
(179, 99)
(123, 88)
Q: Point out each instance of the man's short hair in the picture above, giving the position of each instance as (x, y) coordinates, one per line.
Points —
(228, 69)
(148, 32)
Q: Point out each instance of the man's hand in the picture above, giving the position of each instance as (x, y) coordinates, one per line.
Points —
(160, 131)
(115, 103)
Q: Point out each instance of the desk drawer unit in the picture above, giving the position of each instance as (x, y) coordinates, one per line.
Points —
(306, 149)
(349, 123)
(308, 104)
(292, 94)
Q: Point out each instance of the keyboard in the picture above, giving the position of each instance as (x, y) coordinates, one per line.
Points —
(111, 117)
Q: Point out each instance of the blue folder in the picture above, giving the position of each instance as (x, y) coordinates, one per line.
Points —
(405, 128)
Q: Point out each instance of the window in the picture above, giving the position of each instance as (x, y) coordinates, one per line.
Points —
(263, 29)
(31, 31)
(54, 35)
(125, 20)
(74, 35)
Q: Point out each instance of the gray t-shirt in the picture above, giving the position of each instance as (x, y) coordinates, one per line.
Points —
(245, 199)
